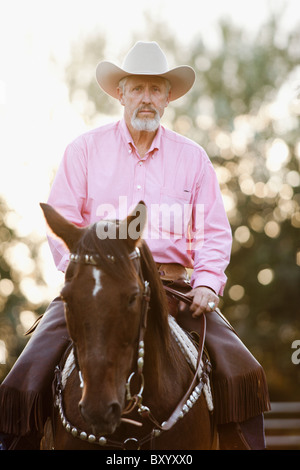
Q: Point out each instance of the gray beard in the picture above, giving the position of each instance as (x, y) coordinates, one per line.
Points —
(149, 125)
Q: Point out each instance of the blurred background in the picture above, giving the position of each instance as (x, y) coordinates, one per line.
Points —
(243, 109)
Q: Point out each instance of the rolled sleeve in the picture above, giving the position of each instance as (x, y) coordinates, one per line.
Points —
(67, 196)
(212, 234)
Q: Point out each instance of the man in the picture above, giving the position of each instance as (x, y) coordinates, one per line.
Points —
(106, 172)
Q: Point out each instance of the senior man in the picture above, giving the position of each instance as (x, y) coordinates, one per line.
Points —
(104, 173)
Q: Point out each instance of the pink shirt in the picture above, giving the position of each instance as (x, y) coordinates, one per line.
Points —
(102, 176)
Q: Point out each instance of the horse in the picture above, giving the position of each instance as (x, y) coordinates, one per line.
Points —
(126, 382)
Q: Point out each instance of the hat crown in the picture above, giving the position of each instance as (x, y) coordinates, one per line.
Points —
(145, 58)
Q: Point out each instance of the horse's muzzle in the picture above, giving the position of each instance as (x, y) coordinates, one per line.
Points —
(104, 419)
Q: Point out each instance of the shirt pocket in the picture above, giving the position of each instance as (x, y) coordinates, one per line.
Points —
(175, 212)
(171, 196)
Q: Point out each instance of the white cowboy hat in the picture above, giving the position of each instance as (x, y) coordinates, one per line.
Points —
(145, 58)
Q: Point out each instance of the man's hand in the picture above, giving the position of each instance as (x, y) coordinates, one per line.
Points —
(202, 296)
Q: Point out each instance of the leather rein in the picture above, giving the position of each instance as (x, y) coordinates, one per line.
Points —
(135, 401)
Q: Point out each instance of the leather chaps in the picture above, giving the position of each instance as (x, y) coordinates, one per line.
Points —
(26, 392)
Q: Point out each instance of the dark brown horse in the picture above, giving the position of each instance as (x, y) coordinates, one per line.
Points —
(128, 374)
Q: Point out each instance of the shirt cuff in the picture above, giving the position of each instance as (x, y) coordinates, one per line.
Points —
(209, 280)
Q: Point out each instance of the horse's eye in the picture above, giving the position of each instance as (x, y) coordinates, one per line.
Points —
(132, 299)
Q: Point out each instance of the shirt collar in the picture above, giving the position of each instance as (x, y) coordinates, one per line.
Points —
(129, 141)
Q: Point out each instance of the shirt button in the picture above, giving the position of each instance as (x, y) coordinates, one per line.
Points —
(141, 163)
(139, 187)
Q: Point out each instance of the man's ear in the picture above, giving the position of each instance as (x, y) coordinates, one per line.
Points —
(120, 94)
(168, 98)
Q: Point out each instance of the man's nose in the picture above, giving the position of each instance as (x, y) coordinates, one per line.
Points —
(147, 95)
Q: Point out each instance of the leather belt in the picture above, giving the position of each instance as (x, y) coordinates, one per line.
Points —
(172, 272)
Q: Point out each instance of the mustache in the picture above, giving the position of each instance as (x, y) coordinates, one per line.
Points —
(145, 108)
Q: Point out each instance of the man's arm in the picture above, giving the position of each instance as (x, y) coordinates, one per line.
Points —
(67, 196)
(211, 245)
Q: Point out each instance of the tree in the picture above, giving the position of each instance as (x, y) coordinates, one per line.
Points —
(254, 146)
(21, 287)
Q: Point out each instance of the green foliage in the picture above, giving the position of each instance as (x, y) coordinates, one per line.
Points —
(80, 77)
(18, 264)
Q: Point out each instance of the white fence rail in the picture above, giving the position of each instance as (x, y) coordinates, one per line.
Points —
(282, 426)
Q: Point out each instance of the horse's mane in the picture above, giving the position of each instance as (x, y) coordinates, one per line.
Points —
(158, 304)
(159, 313)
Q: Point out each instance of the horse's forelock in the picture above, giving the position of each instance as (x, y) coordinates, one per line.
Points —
(107, 249)
(112, 254)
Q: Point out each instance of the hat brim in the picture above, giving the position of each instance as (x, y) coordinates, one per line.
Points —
(109, 75)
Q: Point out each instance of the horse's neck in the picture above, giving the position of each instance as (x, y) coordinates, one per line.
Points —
(163, 362)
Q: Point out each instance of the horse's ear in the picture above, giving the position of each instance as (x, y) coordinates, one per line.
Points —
(133, 226)
(64, 229)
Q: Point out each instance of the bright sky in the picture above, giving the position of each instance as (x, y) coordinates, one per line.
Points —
(36, 118)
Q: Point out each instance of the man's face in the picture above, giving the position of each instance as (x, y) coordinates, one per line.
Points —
(144, 100)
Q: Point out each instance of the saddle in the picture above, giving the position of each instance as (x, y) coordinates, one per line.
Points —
(239, 383)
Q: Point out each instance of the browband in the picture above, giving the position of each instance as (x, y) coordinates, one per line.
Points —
(92, 259)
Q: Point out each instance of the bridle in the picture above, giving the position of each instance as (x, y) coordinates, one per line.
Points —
(134, 401)
(134, 255)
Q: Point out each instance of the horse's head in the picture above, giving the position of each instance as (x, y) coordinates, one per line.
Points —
(103, 295)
